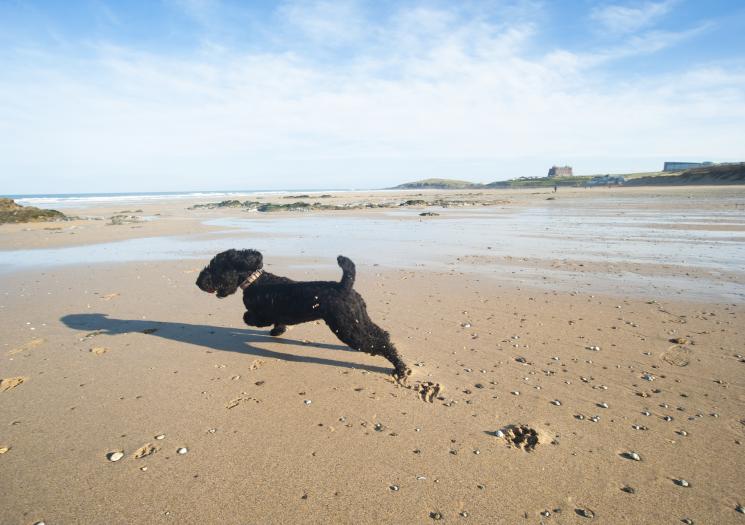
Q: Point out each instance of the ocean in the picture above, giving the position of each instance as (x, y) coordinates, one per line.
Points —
(78, 200)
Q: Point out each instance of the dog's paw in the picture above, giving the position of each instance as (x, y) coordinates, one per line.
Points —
(278, 330)
(402, 376)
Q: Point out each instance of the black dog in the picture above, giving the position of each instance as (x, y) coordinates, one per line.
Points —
(279, 301)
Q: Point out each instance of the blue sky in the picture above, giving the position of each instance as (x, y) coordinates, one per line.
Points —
(103, 95)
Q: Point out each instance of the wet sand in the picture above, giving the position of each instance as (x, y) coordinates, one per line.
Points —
(113, 355)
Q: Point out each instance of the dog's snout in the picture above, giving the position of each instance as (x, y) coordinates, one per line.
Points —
(204, 282)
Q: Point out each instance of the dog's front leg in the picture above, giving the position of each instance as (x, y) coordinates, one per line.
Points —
(278, 330)
(251, 320)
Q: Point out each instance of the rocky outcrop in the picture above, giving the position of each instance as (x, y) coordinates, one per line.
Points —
(317, 206)
(10, 212)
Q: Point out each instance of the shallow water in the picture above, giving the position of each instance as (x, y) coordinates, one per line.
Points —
(541, 233)
(592, 233)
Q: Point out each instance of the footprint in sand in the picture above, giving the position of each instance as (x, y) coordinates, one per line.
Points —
(678, 355)
(426, 390)
(11, 382)
(520, 436)
(27, 346)
(429, 391)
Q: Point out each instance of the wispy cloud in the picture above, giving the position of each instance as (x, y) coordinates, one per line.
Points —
(622, 19)
(645, 43)
(202, 11)
(327, 23)
(429, 91)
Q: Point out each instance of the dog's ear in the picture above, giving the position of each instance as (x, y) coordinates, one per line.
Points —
(252, 258)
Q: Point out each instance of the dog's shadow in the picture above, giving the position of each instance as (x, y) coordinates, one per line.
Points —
(214, 337)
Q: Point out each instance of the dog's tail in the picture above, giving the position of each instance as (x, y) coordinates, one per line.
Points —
(347, 266)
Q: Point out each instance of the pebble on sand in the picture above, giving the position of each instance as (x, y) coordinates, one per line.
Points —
(632, 455)
(182, 450)
(681, 483)
(556, 402)
(160, 436)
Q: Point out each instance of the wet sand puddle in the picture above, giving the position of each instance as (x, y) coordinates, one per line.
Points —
(483, 237)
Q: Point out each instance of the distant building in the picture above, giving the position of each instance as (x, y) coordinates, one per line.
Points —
(680, 166)
(560, 171)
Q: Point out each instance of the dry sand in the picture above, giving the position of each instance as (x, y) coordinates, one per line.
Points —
(132, 358)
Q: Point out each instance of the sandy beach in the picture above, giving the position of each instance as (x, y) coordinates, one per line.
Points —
(607, 324)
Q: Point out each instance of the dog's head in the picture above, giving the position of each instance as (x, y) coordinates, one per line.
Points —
(227, 270)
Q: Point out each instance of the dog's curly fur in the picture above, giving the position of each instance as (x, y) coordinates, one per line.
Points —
(279, 301)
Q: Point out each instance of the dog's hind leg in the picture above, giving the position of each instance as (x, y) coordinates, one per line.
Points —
(278, 330)
(362, 334)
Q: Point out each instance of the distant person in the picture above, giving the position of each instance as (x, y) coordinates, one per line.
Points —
(556, 187)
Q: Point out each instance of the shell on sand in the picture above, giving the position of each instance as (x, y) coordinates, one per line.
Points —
(115, 456)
